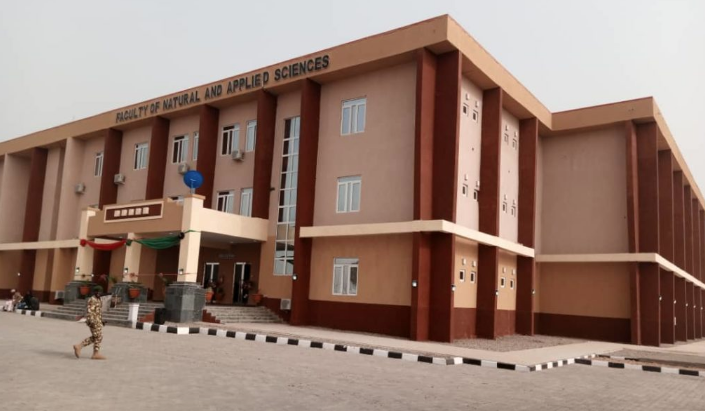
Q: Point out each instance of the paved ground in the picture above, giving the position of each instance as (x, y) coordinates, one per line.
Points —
(154, 371)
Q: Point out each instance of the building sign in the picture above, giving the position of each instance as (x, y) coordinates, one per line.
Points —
(229, 87)
(133, 212)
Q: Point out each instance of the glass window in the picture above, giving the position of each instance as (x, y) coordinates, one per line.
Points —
(345, 276)
(225, 201)
(349, 191)
(286, 227)
(141, 155)
(98, 164)
(195, 145)
(353, 116)
(231, 139)
(246, 202)
(180, 149)
(251, 139)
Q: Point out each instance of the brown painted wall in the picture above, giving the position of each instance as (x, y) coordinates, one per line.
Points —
(112, 152)
(158, 149)
(678, 220)
(688, 205)
(373, 318)
(668, 308)
(681, 310)
(208, 131)
(666, 212)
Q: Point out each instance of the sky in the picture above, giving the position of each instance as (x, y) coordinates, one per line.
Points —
(65, 60)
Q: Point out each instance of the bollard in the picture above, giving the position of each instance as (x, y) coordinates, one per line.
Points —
(132, 313)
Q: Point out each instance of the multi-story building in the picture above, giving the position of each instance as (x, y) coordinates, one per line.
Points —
(404, 184)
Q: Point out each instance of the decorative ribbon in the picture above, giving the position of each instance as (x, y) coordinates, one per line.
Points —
(103, 246)
(157, 243)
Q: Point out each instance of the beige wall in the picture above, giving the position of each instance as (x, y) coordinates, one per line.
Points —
(586, 289)
(277, 286)
(172, 214)
(539, 197)
(509, 177)
(135, 180)
(68, 216)
(465, 292)
(469, 155)
(9, 267)
(230, 174)
(63, 266)
(507, 299)
(173, 181)
(384, 273)
(13, 198)
(42, 270)
(383, 155)
(51, 194)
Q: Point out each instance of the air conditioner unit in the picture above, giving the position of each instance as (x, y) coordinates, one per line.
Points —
(119, 179)
(80, 188)
(285, 304)
(183, 168)
(238, 155)
(59, 295)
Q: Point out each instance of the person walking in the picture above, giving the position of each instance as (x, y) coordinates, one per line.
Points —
(94, 321)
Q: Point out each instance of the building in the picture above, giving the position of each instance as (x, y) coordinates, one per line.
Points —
(404, 184)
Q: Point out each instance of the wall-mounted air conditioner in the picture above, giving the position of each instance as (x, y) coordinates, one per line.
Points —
(238, 155)
(80, 188)
(59, 295)
(119, 179)
(183, 168)
(285, 304)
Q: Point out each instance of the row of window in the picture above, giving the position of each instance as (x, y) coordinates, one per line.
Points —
(473, 278)
(226, 201)
(231, 138)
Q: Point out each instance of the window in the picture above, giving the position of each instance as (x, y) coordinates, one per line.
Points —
(246, 202)
(353, 116)
(514, 211)
(475, 194)
(504, 206)
(502, 282)
(225, 201)
(462, 276)
(195, 145)
(98, 165)
(231, 139)
(180, 152)
(511, 284)
(506, 138)
(515, 143)
(141, 155)
(345, 276)
(475, 115)
(466, 109)
(349, 194)
(251, 138)
(473, 275)
(465, 190)
(286, 220)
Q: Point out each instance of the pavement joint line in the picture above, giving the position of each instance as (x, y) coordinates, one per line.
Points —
(604, 361)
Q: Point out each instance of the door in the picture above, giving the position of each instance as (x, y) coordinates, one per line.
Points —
(241, 283)
(210, 275)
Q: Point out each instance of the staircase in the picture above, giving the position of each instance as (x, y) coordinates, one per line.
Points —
(235, 314)
(71, 312)
(113, 316)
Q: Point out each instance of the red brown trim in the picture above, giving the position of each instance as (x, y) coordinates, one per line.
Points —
(274, 304)
(158, 149)
(648, 176)
(697, 313)
(488, 269)
(421, 294)
(372, 318)
(668, 308)
(112, 151)
(688, 204)
(27, 265)
(665, 193)
(506, 321)
(32, 215)
(689, 298)
(649, 304)
(264, 153)
(441, 305)
(464, 320)
(526, 284)
(207, 151)
(702, 243)
(633, 227)
(528, 141)
(592, 328)
(490, 159)
(681, 311)
(696, 238)
(42, 295)
(306, 194)
(678, 220)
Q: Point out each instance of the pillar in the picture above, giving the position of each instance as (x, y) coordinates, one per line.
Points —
(688, 205)
(678, 220)
(666, 248)
(264, 153)
(697, 312)
(84, 259)
(32, 215)
(158, 149)
(112, 151)
(696, 238)
(680, 301)
(668, 307)
(526, 266)
(305, 198)
(633, 227)
(488, 256)
(207, 151)
(690, 303)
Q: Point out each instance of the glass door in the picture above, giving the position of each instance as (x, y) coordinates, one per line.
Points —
(241, 283)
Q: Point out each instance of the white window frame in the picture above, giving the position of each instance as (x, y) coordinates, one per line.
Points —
(141, 156)
(473, 277)
(179, 146)
(476, 195)
(354, 107)
(98, 164)
(251, 136)
(466, 109)
(195, 146)
(246, 202)
(228, 200)
(344, 266)
(232, 134)
(502, 282)
(465, 190)
(461, 276)
(348, 184)
(511, 284)
(475, 115)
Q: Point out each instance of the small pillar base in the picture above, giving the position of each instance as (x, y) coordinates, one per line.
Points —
(184, 302)
(121, 290)
(72, 292)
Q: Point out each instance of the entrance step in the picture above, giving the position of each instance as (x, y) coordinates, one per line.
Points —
(237, 314)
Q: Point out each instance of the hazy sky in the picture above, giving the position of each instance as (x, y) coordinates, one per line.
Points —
(65, 60)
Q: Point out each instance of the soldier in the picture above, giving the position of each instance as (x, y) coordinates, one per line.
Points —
(94, 321)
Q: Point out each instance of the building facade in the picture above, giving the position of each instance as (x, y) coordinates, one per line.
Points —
(403, 184)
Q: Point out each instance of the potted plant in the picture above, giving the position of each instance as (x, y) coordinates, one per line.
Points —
(257, 295)
(133, 290)
(84, 288)
(209, 294)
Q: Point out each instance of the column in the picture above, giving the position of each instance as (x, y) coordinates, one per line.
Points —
(665, 176)
(697, 312)
(112, 152)
(690, 303)
(526, 267)
(32, 215)
(207, 151)
(158, 149)
(423, 193)
(678, 220)
(185, 299)
(680, 301)
(688, 205)
(84, 259)
(649, 282)
(633, 227)
(696, 238)
(264, 153)
(488, 258)
(132, 259)
(305, 198)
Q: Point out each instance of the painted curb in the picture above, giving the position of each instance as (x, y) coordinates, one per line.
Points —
(30, 313)
(646, 368)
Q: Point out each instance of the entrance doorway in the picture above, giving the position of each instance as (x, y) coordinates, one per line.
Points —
(241, 283)
(210, 274)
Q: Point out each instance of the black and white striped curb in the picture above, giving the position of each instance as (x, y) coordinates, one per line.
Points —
(377, 352)
(604, 362)
(30, 313)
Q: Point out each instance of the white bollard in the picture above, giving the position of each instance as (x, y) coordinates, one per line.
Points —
(132, 313)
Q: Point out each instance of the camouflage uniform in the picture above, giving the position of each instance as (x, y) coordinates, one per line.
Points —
(94, 320)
